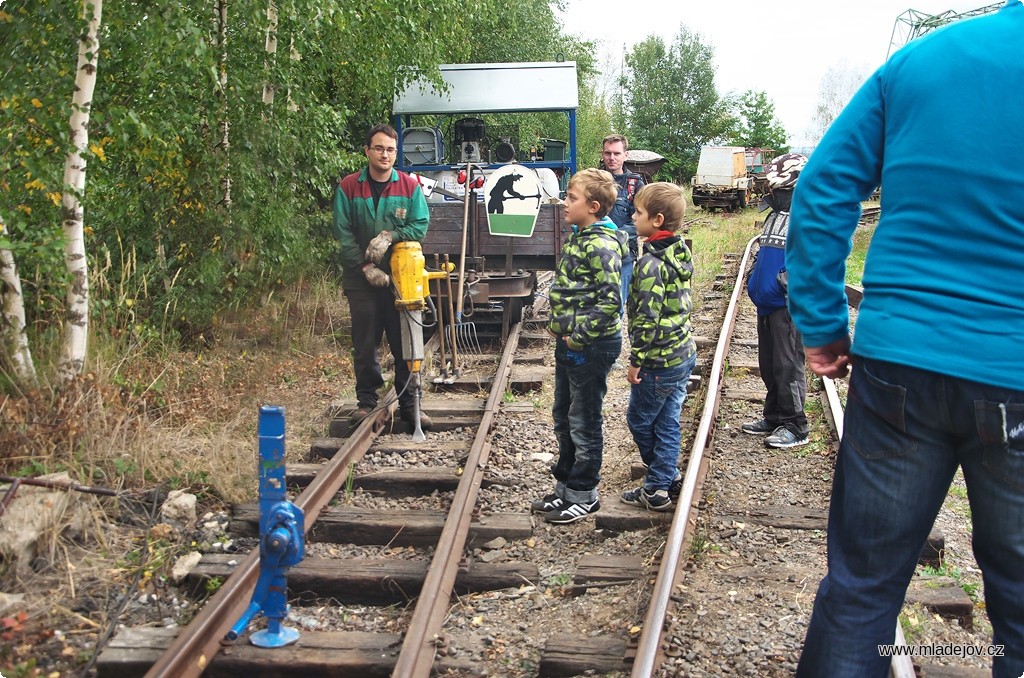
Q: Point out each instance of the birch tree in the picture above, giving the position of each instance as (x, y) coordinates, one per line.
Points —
(12, 308)
(76, 324)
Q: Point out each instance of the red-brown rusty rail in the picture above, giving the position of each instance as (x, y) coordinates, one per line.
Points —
(649, 646)
(194, 648)
(417, 654)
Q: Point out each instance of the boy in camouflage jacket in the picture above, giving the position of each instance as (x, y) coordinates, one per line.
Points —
(663, 353)
(585, 301)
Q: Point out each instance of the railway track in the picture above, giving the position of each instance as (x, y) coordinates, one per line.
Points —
(423, 543)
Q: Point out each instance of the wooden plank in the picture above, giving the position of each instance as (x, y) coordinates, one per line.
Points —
(341, 409)
(398, 528)
(943, 597)
(618, 517)
(388, 482)
(369, 582)
(791, 517)
(593, 569)
(755, 396)
(751, 368)
(327, 447)
(339, 428)
(568, 655)
(338, 653)
(523, 380)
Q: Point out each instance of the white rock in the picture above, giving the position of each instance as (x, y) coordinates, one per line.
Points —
(184, 565)
(180, 507)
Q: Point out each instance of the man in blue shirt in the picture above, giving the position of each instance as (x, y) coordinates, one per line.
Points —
(938, 356)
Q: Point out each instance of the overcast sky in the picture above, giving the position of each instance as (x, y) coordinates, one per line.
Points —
(782, 48)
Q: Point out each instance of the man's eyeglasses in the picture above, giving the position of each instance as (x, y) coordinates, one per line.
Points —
(384, 150)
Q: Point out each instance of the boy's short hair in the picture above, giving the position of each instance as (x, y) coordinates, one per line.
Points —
(614, 138)
(596, 185)
(663, 198)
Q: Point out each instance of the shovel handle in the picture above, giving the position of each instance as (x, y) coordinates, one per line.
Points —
(465, 232)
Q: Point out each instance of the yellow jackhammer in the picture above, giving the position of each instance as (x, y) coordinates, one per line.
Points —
(411, 284)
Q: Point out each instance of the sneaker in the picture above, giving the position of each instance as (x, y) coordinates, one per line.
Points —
(675, 488)
(571, 512)
(782, 438)
(546, 504)
(632, 497)
(659, 501)
(758, 428)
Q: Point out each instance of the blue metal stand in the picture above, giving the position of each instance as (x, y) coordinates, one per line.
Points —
(282, 539)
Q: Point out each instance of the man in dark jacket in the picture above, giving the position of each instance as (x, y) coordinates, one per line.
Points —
(780, 352)
(613, 155)
(374, 208)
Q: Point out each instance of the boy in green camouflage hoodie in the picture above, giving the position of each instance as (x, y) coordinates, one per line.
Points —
(585, 321)
(663, 353)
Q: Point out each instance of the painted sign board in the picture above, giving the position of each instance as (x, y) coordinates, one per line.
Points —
(512, 195)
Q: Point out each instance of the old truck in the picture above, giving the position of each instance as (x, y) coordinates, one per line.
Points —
(721, 181)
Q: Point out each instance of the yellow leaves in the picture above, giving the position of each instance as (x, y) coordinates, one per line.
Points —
(4, 16)
(98, 152)
(87, 230)
(35, 185)
(24, 208)
(54, 198)
(37, 103)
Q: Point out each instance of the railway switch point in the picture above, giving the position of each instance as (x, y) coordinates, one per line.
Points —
(282, 539)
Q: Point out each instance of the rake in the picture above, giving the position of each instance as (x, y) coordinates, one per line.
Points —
(465, 332)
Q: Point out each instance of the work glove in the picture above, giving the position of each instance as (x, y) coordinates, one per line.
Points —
(375, 276)
(378, 247)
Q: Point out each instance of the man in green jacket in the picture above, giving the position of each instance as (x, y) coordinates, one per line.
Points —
(374, 208)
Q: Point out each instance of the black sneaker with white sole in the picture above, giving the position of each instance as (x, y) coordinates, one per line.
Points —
(659, 500)
(632, 497)
(758, 428)
(782, 438)
(570, 512)
(675, 488)
(546, 503)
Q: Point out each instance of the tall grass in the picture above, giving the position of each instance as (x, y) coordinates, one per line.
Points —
(147, 411)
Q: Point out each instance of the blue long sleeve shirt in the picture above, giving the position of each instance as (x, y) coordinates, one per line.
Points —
(940, 126)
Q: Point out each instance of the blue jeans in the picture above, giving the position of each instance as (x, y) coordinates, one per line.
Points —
(627, 277)
(581, 381)
(906, 431)
(653, 418)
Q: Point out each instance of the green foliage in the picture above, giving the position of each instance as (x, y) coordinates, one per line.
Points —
(167, 253)
(671, 104)
(757, 125)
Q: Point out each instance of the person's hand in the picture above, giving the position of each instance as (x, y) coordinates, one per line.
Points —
(378, 247)
(375, 276)
(633, 374)
(831, 360)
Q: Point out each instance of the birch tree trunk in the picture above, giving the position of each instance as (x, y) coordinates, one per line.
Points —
(12, 322)
(271, 49)
(221, 19)
(76, 324)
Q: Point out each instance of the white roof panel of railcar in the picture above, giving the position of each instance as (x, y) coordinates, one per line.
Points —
(495, 88)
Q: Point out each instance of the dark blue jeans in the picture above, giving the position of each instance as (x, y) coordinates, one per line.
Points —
(581, 381)
(653, 418)
(906, 432)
